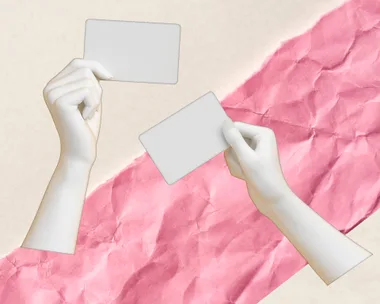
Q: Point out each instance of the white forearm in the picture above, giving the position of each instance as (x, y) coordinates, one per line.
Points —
(329, 252)
(56, 224)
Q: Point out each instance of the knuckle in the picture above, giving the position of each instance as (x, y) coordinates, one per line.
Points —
(273, 135)
(88, 83)
(95, 103)
(269, 132)
(47, 88)
(60, 102)
(51, 95)
(45, 91)
(75, 62)
(87, 91)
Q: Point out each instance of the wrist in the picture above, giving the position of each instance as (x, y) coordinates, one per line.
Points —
(68, 161)
(287, 201)
(286, 197)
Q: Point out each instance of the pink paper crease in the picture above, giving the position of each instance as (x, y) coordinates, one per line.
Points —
(202, 240)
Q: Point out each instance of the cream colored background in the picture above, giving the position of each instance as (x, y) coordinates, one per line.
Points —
(222, 43)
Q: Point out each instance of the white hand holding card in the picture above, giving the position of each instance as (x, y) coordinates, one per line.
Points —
(74, 101)
(253, 157)
(73, 98)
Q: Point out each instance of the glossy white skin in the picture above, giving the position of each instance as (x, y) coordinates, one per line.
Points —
(74, 101)
(253, 157)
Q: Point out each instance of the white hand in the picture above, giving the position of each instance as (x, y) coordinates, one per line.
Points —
(74, 101)
(253, 157)
(73, 98)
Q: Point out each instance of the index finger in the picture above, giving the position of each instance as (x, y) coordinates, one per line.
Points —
(97, 69)
(262, 136)
(251, 131)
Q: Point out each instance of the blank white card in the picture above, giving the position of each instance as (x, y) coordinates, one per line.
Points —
(135, 51)
(187, 139)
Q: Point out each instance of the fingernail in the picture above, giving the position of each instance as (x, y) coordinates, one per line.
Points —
(90, 116)
(109, 75)
(85, 114)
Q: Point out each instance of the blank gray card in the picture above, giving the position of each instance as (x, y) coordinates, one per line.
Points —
(187, 139)
(135, 51)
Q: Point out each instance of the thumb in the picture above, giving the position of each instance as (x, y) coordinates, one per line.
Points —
(238, 144)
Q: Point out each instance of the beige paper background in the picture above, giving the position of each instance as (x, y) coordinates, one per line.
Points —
(222, 43)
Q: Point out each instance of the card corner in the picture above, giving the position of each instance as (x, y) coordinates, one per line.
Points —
(89, 20)
(178, 26)
(140, 138)
(169, 182)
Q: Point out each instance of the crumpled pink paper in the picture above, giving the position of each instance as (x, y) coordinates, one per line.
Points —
(202, 240)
